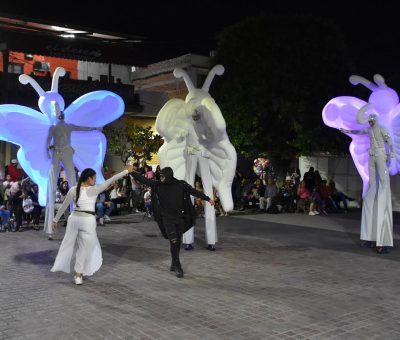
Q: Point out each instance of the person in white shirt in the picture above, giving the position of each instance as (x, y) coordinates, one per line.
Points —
(147, 201)
(81, 227)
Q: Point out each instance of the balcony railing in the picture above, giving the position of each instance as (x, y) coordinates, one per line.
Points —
(13, 92)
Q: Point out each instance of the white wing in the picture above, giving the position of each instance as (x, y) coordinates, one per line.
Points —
(171, 124)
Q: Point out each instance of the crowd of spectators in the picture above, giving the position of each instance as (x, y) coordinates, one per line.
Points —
(310, 194)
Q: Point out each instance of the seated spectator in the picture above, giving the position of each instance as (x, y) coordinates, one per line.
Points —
(198, 202)
(61, 193)
(287, 195)
(4, 215)
(271, 192)
(7, 192)
(339, 197)
(118, 194)
(17, 198)
(303, 196)
(37, 208)
(247, 200)
(30, 203)
(104, 207)
(326, 194)
(317, 205)
(258, 190)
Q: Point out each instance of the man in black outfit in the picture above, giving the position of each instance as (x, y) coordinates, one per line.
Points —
(172, 209)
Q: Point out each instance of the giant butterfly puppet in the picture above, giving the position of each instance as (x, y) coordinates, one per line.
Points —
(371, 148)
(29, 129)
(196, 141)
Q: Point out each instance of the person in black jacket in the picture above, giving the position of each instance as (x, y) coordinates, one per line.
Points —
(172, 209)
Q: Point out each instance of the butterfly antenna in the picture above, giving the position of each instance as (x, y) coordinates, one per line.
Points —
(25, 79)
(180, 73)
(59, 72)
(378, 79)
(355, 80)
(217, 69)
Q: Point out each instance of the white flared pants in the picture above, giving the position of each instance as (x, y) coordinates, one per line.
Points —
(81, 240)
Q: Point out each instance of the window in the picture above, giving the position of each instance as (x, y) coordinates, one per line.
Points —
(41, 66)
(15, 68)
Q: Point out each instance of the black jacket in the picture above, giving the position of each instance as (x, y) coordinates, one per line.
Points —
(171, 202)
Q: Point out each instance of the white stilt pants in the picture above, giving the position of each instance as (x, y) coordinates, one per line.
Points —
(192, 162)
(66, 158)
(377, 217)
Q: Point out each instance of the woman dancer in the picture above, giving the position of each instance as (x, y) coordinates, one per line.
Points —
(81, 226)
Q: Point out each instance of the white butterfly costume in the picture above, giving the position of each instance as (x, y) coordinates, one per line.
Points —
(371, 149)
(196, 141)
(29, 129)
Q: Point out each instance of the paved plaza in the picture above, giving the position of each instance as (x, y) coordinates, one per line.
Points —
(285, 276)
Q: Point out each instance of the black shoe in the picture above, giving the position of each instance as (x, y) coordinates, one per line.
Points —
(178, 271)
(211, 247)
(367, 244)
(189, 247)
(382, 250)
(172, 267)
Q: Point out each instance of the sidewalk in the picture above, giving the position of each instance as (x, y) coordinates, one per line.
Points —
(272, 277)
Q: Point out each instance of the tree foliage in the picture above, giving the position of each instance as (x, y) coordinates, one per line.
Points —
(280, 72)
(126, 139)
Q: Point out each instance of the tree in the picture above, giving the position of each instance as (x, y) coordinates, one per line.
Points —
(280, 72)
(126, 139)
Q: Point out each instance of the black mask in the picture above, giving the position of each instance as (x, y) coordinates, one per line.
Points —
(168, 174)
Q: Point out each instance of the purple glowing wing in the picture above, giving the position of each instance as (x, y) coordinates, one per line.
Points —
(28, 128)
(95, 109)
(90, 149)
(341, 112)
(392, 124)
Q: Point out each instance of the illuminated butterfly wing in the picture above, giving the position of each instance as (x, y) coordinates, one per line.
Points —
(341, 112)
(28, 128)
(171, 123)
(392, 124)
(94, 109)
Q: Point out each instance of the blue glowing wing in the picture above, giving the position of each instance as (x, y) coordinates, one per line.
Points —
(28, 128)
(95, 109)
(341, 112)
(90, 149)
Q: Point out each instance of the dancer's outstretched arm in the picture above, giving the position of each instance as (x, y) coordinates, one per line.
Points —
(148, 182)
(355, 132)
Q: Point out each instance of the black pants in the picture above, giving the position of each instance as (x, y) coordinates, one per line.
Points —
(174, 231)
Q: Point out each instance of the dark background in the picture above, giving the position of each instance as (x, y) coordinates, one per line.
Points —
(172, 28)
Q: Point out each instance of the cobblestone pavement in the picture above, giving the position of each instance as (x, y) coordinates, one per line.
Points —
(293, 277)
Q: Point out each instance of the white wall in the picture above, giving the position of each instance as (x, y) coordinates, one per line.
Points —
(345, 175)
(89, 69)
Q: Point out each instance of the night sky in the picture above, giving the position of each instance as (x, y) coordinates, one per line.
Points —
(371, 30)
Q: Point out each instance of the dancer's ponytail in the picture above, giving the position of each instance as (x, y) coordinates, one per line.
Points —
(83, 178)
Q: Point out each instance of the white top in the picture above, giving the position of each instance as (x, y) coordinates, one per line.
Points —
(147, 196)
(87, 196)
